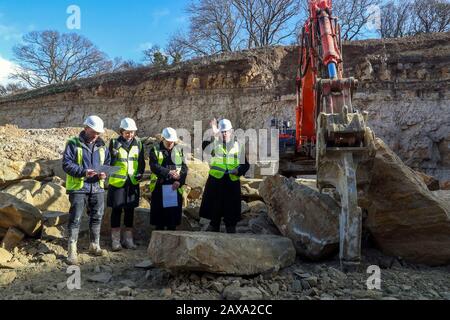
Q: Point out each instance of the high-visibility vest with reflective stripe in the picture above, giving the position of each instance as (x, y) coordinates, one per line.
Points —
(128, 163)
(224, 161)
(73, 183)
(160, 156)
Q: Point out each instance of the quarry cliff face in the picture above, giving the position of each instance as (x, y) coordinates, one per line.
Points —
(403, 85)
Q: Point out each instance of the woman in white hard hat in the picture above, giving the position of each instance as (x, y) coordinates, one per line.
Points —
(127, 153)
(222, 195)
(169, 173)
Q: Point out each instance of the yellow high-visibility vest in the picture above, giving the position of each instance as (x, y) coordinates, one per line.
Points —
(224, 161)
(73, 183)
(160, 156)
(128, 163)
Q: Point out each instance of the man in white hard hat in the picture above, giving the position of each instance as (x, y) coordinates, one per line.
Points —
(127, 153)
(168, 168)
(222, 195)
(82, 157)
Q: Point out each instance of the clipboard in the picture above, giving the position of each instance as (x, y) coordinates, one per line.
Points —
(169, 196)
(108, 170)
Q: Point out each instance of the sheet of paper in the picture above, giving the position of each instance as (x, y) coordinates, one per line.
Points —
(109, 170)
(170, 197)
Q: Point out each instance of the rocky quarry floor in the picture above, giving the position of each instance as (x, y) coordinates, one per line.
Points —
(286, 247)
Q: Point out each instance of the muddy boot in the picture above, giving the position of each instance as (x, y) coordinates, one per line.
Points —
(72, 256)
(128, 240)
(95, 250)
(115, 240)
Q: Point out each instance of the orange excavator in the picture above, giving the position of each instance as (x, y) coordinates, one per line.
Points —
(331, 137)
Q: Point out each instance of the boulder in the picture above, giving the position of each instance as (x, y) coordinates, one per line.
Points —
(262, 224)
(405, 218)
(444, 185)
(142, 227)
(253, 183)
(5, 256)
(310, 219)
(12, 238)
(32, 186)
(45, 196)
(250, 194)
(11, 171)
(242, 293)
(237, 254)
(198, 172)
(54, 218)
(257, 207)
(7, 277)
(51, 197)
(192, 211)
(53, 232)
(431, 182)
(19, 214)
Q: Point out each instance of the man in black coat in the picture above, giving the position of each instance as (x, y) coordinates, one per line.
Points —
(222, 195)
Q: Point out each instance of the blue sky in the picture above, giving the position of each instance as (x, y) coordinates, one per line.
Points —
(119, 28)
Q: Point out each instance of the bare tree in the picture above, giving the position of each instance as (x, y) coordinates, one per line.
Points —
(48, 57)
(12, 88)
(155, 57)
(395, 19)
(176, 48)
(353, 16)
(268, 22)
(214, 26)
(123, 65)
(430, 16)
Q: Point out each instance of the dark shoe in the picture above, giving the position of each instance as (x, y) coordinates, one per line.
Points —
(231, 229)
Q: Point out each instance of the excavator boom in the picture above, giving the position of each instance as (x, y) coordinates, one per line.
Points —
(329, 131)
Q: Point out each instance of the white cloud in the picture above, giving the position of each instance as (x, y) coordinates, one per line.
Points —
(6, 68)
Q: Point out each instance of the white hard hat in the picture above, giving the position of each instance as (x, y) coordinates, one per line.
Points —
(128, 124)
(95, 123)
(169, 134)
(225, 125)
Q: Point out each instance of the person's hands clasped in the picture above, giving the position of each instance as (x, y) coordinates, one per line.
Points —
(174, 174)
(90, 173)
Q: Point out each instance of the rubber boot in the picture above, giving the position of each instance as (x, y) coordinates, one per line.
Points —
(95, 250)
(128, 242)
(72, 255)
(115, 239)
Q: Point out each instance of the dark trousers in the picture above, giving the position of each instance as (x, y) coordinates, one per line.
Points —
(95, 204)
(116, 216)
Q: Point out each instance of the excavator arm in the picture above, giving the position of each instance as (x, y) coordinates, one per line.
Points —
(328, 127)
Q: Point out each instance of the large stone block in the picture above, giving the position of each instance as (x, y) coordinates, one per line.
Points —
(234, 254)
